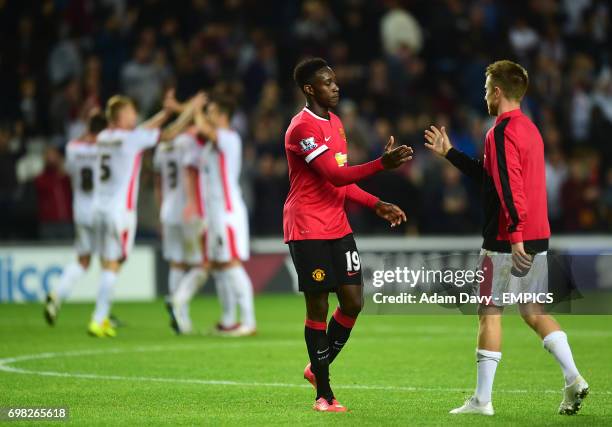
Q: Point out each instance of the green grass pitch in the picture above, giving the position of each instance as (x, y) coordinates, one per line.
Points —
(395, 370)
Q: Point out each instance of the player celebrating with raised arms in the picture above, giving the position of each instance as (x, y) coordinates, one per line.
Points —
(516, 231)
(227, 232)
(192, 213)
(120, 148)
(315, 224)
(82, 165)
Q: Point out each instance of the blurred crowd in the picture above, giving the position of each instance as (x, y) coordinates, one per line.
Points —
(401, 65)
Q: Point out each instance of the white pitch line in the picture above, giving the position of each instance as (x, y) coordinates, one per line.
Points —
(139, 349)
(5, 362)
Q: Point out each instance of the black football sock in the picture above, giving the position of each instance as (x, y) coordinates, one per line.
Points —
(338, 332)
(318, 351)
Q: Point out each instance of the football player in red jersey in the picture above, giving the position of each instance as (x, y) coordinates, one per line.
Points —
(315, 224)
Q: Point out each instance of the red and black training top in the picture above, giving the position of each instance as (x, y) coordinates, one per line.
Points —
(513, 181)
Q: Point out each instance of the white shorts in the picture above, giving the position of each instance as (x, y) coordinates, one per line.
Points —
(227, 236)
(114, 235)
(84, 239)
(182, 243)
(507, 288)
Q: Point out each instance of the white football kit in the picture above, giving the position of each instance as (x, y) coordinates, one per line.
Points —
(227, 234)
(192, 157)
(82, 166)
(181, 242)
(507, 288)
(117, 181)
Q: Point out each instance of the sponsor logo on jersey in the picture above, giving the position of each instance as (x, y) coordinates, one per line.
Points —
(318, 275)
(86, 156)
(341, 159)
(110, 143)
(308, 144)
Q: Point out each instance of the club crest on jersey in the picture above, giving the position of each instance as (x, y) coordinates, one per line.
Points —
(308, 144)
(318, 275)
(341, 159)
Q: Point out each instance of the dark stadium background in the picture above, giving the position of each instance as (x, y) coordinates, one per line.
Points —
(401, 65)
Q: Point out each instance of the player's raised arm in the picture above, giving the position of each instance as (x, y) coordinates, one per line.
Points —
(439, 143)
(206, 129)
(170, 106)
(185, 118)
(162, 116)
(327, 166)
(156, 121)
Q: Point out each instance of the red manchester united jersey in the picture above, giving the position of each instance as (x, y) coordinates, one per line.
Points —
(314, 208)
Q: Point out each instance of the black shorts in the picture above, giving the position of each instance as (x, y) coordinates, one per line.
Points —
(323, 265)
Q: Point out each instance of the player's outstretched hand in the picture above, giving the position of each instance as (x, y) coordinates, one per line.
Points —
(199, 100)
(437, 140)
(395, 157)
(390, 212)
(171, 105)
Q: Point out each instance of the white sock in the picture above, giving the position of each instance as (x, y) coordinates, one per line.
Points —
(227, 298)
(556, 343)
(189, 285)
(105, 295)
(487, 364)
(243, 289)
(70, 275)
(175, 275)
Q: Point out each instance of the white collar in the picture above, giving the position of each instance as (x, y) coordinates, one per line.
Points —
(314, 115)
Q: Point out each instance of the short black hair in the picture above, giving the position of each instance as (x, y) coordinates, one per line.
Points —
(97, 123)
(305, 70)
